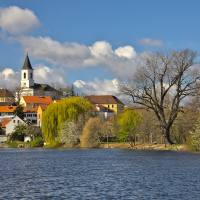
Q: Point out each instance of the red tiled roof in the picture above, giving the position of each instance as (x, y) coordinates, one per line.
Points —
(103, 99)
(7, 109)
(37, 99)
(30, 109)
(43, 106)
(5, 121)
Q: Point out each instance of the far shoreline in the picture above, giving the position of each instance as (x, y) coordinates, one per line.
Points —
(145, 146)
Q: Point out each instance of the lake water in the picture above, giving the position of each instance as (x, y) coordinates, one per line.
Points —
(98, 174)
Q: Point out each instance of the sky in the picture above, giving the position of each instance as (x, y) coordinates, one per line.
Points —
(91, 44)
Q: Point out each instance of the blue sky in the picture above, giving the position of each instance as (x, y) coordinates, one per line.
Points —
(91, 43)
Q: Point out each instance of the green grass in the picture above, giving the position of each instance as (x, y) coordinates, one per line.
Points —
(12, 144)
(16, 143)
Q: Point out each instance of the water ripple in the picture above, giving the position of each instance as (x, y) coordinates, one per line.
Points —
(98, 174)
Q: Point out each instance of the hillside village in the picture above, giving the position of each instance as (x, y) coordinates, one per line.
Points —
(34, 98)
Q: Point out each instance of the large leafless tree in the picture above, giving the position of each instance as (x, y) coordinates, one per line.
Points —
(162, 80)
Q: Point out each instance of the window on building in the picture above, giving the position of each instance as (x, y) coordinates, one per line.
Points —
(31, 76)
(112, 106)
(13, 121)
(24, 75)
(108, 106)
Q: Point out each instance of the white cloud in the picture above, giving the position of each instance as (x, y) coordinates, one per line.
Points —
(46, 75)
(127, 51)
(17, 21)
(9, 78)
(66, 54)
(101, 49)
(121, 62)
(151, 42)
(96, 87)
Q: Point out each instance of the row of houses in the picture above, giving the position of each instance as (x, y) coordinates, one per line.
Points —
(34, 106)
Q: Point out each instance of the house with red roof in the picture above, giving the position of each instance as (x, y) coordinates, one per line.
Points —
(109, 101)
(6, 112)
(10, 126)
(30, 113)
(3, 126)
(35, 100)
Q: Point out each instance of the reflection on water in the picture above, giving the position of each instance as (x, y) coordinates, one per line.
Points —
(98, 174)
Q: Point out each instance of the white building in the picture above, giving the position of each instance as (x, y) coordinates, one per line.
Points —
(13, 122)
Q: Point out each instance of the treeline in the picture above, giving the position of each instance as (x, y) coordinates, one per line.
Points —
(71, 122)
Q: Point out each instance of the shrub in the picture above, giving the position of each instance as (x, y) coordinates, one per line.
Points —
(195, 138)
(18, 134)
(38, 142)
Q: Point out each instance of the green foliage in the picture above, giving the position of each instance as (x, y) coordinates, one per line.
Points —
(19, 112)
(128, 123)
(18, 133)
(38, 142)
(13, 144)
(58, 113)
(1, 130)
(195, 137)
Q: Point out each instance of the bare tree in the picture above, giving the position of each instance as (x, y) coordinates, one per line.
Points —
(17, 92)
(161, 82)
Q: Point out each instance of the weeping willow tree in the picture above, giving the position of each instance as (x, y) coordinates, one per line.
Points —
(58, 113)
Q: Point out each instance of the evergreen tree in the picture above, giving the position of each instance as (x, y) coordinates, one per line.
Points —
(19, 112)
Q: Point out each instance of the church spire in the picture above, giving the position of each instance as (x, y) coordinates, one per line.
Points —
(27, 63)
(27, 74)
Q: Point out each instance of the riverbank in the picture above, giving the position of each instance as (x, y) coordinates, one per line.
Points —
(176, 147)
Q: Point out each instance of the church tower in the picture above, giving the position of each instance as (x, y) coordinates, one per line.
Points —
(27, 74)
